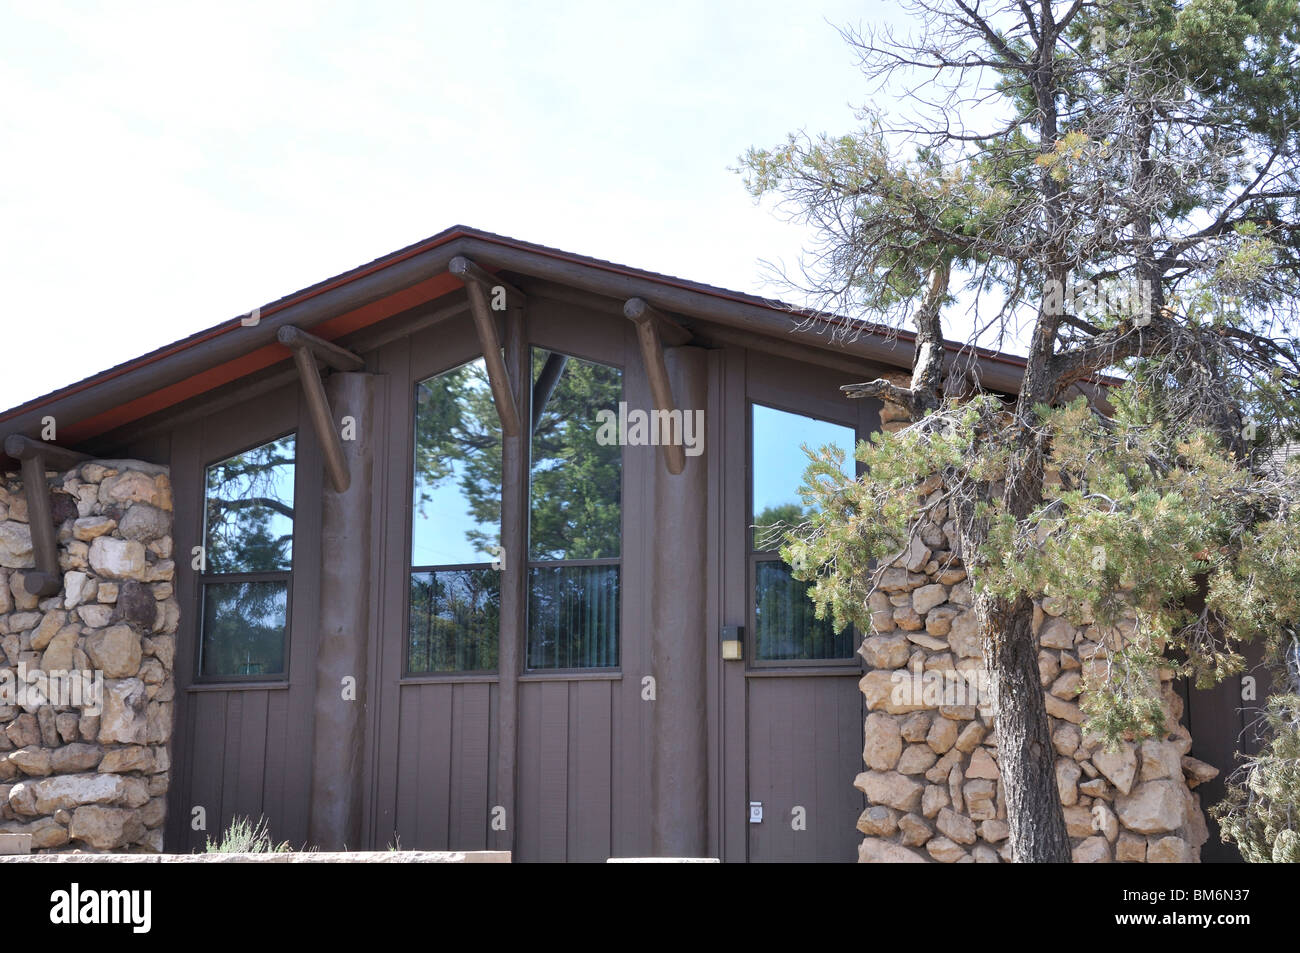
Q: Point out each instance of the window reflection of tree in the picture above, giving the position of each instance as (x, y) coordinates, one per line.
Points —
(576, 496)
(250, 510)
(575, 517)
(243, 628)
(457, 428)
(248, 552)
(576, 514)
(454, 619)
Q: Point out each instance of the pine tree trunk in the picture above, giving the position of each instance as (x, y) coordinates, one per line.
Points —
(1026, 758)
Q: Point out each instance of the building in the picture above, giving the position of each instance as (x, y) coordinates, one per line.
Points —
(461, 554)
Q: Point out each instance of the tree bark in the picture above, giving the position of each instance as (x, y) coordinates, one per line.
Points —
(1026, 757)
(1025, 754)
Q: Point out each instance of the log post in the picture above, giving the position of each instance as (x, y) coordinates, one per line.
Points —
(679, 638)
(514, 585)
(343, 628)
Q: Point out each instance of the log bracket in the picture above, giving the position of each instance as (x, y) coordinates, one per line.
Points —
(307, 350)
(478, 285)
(653, 329)
(46, 580)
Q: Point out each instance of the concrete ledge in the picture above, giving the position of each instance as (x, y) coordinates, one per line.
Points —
(294, 857)
(12, 844)
(663, 860)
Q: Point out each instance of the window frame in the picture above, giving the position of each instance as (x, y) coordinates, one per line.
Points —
(755, 556)
(206, 578)
(528, 563)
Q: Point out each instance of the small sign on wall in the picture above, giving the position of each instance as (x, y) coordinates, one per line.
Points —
(756, 812)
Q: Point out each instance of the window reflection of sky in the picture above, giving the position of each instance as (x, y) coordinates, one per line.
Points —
(442, 520)
(779, 464)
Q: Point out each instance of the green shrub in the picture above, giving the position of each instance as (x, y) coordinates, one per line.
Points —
(243, 836)
(1261, 811)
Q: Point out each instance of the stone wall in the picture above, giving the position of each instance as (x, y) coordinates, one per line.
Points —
(932, 783)
(86, 685)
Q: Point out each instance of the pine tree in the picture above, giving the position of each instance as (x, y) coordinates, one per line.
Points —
(1120, 177)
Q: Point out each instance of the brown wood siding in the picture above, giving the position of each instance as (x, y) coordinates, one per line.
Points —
(1222, 724)
(805, 748)
(583, 747)
(444, 766)
(566, 769)
(583, 772)
(735, 597)
(243, 750)
(432, 737)
(801, 723)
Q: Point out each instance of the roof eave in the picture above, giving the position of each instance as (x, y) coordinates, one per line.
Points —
(237, 338)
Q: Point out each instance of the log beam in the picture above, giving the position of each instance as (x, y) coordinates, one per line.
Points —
(341, 359)
(306, 348)
(678, 629)
(46, 580)
(650, 325)
(670, 332)
(478, 284)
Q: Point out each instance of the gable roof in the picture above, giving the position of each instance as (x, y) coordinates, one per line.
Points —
(405, 279)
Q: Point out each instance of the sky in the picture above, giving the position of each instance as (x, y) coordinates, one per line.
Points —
(169, 166)
(778, 462)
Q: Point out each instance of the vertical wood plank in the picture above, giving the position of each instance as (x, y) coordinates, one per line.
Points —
(736, 599)
(470, 767)
(553, 774)
(434, 775)
(230, 765)
(405, 754)
(252, 756)
(273, 797)
(205, 780)
(529, 793)
(590, 773)
(716, 531)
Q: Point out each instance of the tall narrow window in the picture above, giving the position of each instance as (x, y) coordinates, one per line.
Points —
(576, 515)
(455, 583)
(785, 628)
(247, 561)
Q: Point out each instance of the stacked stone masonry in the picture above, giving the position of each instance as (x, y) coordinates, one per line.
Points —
(91, 776)
(933, 789)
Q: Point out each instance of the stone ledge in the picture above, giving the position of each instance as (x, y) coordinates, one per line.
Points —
(293, 857)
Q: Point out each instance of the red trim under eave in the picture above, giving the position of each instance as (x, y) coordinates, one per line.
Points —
(265, 356)
(235, 324)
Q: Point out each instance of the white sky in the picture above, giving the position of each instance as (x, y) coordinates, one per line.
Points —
(169, 166)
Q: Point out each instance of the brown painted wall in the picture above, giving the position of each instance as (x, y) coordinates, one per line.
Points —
(583, 772)
(244, 749)
(788, 735)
